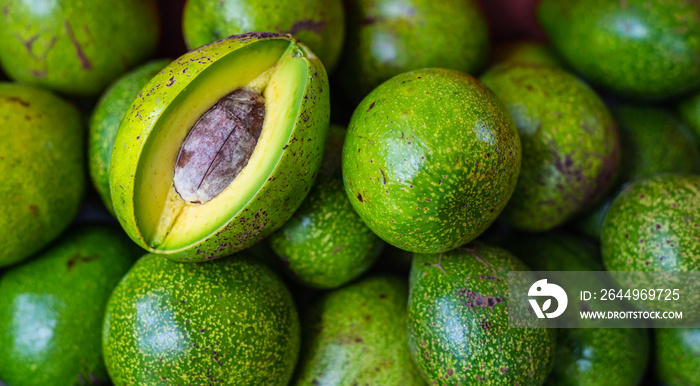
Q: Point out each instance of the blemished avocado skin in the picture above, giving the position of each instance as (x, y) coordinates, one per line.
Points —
(320, 24)
(105, 120)
(652, 141)
(52, 308)
(584, 356)
(458, 321)
(42, 169)
(678, 356)
(326, 244)
(653, 225)
(288, 166)
(231, 321)
(689, 111)
(569, 143)
(76, 47)
(388, 37)
(430, 159)
(356, 335)
(635, 48)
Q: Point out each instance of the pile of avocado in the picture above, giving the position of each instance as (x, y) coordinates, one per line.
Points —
(328, 192)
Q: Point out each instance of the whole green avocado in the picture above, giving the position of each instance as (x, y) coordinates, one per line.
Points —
(653, 225)
(326, 244)
(51, 309)
(569, 142)
(230, 321)
(635, 48)
(42, 169)
(76, 47)
(388, 37)
(458, 321)
(584, 356)
(320, 24)
(356, 335)
(105, 121)
(678, 356)
(652, 141)
(430, 159)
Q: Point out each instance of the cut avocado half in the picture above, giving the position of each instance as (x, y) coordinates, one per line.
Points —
(220, 148)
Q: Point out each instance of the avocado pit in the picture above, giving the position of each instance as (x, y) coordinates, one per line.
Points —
(219, 146)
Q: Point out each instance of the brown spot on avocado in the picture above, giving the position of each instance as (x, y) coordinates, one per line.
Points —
(84, 61)
(336, 250)
(78, 258)
(35, 210)
(359, 197)
(307, 25)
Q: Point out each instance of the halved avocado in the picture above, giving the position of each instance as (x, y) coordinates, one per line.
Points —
(221, 147)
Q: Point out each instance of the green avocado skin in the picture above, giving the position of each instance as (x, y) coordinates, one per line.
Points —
(76, 47)
(654, 225)
(689, 111)
(430, 159)
(388, 37)
(326, 244)
(230, 321)
(51, 309)
(42, 169)
(584, 356)
(356, 335)
(652, 141)
(678, 356)
(525, 52)
(105, 121)
(320, 24)
(458, 321)
(569, 142)
(636, 48)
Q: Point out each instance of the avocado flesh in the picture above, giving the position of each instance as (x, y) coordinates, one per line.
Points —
(276, 70)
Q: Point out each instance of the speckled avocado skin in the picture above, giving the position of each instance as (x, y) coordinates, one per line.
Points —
(230, 321)
(388, 37)
(689, 111)
(652, 141)
(326, 244)
(105, 121)
(430, 159)
(42, 169)
(584, 356)
(51, 309)
(569, 141)
(635, 48)
(678, 356)
(458, 319)
(76, 47)
(320, 24)
(654, 225)
(357, 336)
